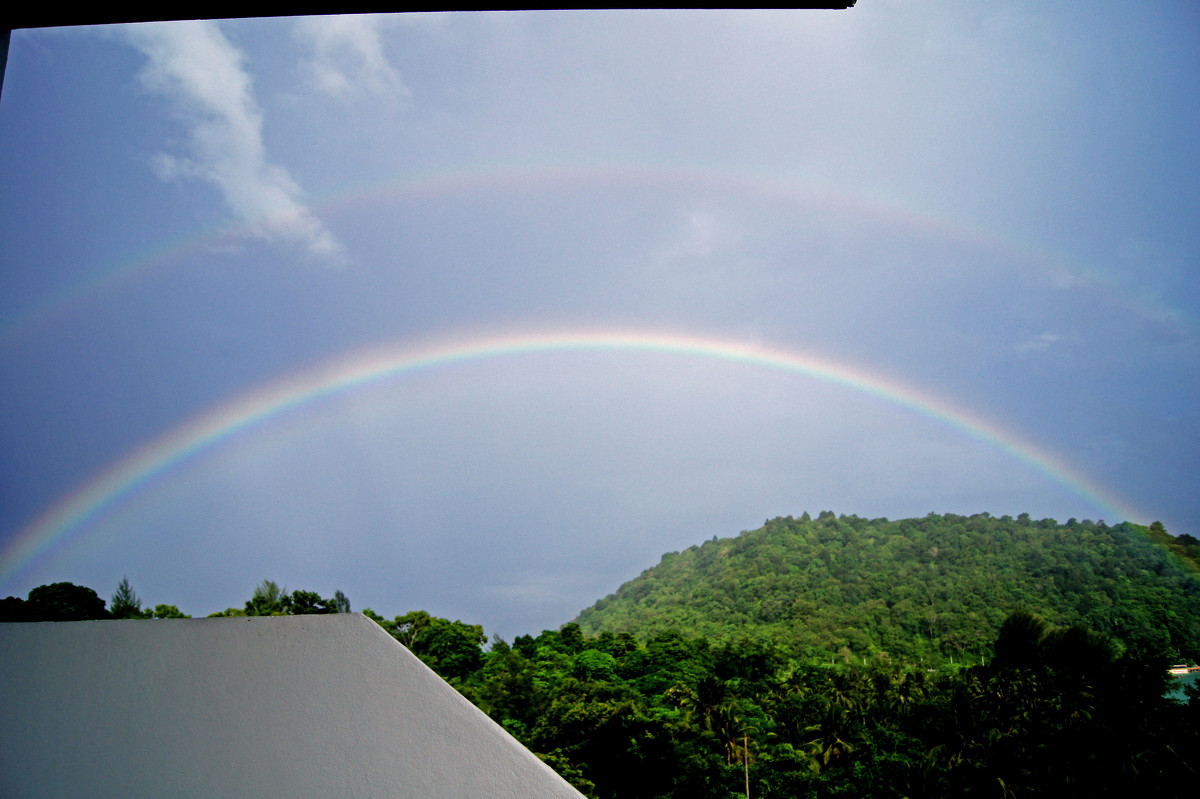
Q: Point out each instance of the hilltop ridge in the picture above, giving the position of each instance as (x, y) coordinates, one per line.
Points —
(930, 588)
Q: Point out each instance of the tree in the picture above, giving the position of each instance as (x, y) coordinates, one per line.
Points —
(307, 603)
(269, 599)
(410, 627)
(451, 648)
(64, 602)
(593, 665)
(13, 609)
(1019, 641)
(125, 603)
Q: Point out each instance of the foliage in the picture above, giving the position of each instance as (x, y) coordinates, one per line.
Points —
(1058, 711)
(55, 602)
(270, 599)
(835, 657)
(125, 603)
(451, 648)
(932, 590)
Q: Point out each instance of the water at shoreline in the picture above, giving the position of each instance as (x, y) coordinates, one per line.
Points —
(1178, 683)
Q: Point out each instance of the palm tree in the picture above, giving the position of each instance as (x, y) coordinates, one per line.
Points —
(834, 739)
(727, 725)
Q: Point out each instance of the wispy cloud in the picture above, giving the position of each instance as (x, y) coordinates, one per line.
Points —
(1039, 343)
(347, 60)
(202, 74)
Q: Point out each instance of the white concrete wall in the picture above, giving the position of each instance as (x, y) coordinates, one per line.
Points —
(294, 706)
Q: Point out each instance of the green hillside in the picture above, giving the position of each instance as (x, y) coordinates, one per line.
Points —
(930, 589)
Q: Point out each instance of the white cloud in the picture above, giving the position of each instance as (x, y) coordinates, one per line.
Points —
(347, 57)
(1039, 343)
(202, 74)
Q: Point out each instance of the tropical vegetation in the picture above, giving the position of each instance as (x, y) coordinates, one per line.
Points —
(931, 590)
(833, 657)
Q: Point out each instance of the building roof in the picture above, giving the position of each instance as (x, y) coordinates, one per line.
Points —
(290, 706)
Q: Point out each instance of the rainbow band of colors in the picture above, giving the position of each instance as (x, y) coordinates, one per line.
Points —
(639, 176)
(57, 526)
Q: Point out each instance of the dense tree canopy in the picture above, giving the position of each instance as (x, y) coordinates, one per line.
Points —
(930, 590)
(55, 602)
(1057, 712)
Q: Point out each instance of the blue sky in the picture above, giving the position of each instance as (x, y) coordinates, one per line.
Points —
(990, 206)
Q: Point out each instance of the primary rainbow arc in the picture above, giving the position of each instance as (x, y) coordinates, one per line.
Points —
(69, 517)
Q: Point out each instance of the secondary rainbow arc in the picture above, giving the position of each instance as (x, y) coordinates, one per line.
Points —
(481, 178)
(68, 518)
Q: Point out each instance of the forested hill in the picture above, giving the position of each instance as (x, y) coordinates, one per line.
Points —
(924, 589)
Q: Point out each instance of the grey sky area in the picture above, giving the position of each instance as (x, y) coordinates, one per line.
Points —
(984, 212)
